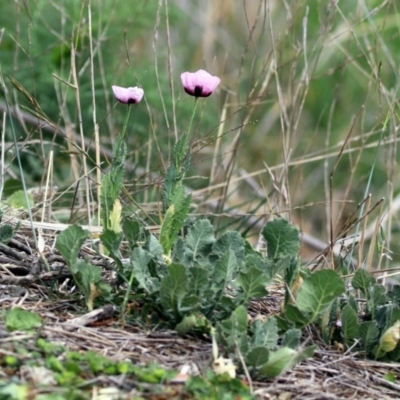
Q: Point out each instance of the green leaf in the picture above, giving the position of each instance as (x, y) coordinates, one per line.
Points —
(199, 280)
(193, 321)
(362, 280)
(200, 239)
(291, 338)
(225, 268)
(233, 331)
(256, 357)
(266, 333)
(112, 241)
(21, 320)
(318, 291)
(350, 326)
(253, 283)
(376, 297)
(230, 240)
(173, 288)
(154, 248)
(282, 239)
(6, 233)
(284, 359)
(18, 200)
(69, 243)
(293, 314)
(140, 259)
(368, 333)
(131, 229)
(279, 361)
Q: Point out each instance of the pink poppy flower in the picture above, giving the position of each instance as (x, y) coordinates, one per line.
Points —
(130, 95)
(200, 83)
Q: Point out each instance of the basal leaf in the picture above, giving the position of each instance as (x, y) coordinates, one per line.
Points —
(112, 241)
(376, 297)
(253, 284)
(291, 338)
(140, 259)
(318, 291)
(199, 280)
(293, 314)
(284, 359)
(69, 243)
(200, 239)
(282, 239)
(266, 333)
(154, 247)
(225, 268)
(279, 361)
(174, 287)
(350, 326)
(230, 240)
(362, 280)
(131, 229)
(368, 334)
(257, 357)
(233, 330)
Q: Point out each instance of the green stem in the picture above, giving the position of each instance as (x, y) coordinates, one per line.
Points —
(126, 122)
(182, 150)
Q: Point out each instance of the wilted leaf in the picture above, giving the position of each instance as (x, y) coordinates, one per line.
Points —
(388, 340)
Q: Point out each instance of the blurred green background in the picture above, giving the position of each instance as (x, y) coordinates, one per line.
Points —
(300, 80)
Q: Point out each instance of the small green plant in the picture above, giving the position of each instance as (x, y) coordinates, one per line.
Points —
(86, 276)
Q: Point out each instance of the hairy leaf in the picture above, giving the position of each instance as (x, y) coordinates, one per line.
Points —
(282, 238)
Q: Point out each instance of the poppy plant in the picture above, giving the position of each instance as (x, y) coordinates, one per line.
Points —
(200, 83)
(130, 95)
